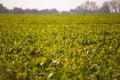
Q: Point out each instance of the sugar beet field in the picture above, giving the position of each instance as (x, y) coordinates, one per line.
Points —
(60, 47)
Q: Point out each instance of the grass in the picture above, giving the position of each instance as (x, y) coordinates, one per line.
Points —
(60, 47)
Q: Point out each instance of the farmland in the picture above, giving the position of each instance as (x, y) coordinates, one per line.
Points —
(60, 47)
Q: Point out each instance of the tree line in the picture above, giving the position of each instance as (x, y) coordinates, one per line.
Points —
(112, 6)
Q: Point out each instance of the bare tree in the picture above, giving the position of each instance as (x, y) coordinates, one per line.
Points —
(114, 6)
(93, 6)
(17, 11)
(104, 8)
(3, 9)
(87, 5)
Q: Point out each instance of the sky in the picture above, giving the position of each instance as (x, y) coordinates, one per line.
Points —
(60, 5)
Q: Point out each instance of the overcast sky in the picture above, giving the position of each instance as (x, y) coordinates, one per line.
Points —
(43, 4)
